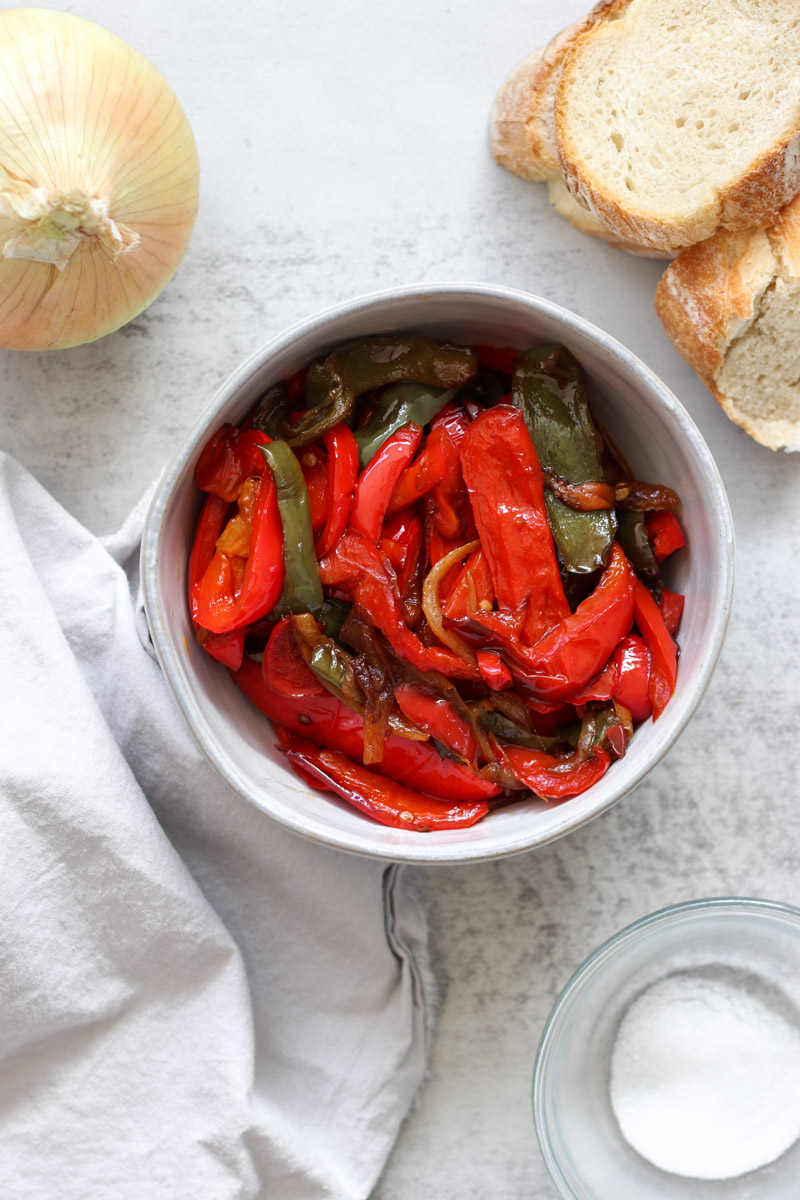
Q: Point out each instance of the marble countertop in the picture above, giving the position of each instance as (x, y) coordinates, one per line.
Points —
(344, 149)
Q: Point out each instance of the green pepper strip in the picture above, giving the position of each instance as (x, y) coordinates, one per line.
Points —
(401, 404)
(508, 731)
(272, 411)
(302, 590)
(633, 538)
(548, 388)
(371, 363)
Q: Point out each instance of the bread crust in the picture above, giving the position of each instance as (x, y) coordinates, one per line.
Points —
(754, 199)
(712, 293)
(521, 125)
(568, 207)
(708, 295)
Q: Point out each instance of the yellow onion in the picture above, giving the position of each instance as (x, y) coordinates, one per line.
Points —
(98, 181)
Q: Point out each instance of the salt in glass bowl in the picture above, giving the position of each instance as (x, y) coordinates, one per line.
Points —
(754, 942)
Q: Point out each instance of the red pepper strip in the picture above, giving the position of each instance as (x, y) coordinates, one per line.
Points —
(506, 488)
(496, 359)
(377, 481)
(544, 719)
(380, 798)
(454, 420)
(633, 683)
(217, 469)
(425, 472)
(473, 588)
(602, 687)
(284, 668)
(452, 517)
(663, 651)
(234, 591)
(435, 716)
(401, 543)
(665, 533)
(553, 778)
(570, 655)
(342, 475)
(209, 526)
(227, 648)
(494, 672)
(672, 609)
(323, 719)
(358, 568)
(227, 459)
(315, 473)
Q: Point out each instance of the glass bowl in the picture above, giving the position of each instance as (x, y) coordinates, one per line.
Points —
(756, 942)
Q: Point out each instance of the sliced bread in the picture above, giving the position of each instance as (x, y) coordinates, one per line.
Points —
(568, 207)
(674, 118)
(522, 127)
(731, 305)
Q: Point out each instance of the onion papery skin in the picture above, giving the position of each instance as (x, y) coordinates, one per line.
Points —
(83, 113)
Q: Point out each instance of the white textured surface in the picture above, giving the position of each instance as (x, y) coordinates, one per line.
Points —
(343, 148)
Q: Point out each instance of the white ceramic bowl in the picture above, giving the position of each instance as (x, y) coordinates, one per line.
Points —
(641, 414)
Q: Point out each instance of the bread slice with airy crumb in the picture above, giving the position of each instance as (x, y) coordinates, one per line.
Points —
(522, 121)
(522, 126)
(731, 305)
(675, 118)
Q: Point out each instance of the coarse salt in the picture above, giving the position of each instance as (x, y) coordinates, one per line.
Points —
(705, 1074)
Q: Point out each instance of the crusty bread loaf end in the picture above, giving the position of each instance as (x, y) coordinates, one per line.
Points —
(731, 305)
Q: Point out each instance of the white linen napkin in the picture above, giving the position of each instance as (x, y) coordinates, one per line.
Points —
(194, 1003)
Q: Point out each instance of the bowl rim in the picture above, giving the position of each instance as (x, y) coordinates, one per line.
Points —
(607, 950)
(426, 849)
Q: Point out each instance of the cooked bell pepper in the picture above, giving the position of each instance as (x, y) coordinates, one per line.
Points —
(401, 542)
(549, 390)
(504, 479)
(342, 476)
(663, 651)
(228, 458)
(283, 667)
(358, 568)
(494, 672)
(632, 536)
(273, 410)
(554, 778)
(315, 473)
(374, 362)
(672, 609)
(473, 589)
(506, 730)
(243, 579)
(438, 718)
(226, 648)
(401, 404)
(210, 524)
(632, 660)
(323, 719)
(497, 358)
(602, 687)
(571, 654)
(382, 799)
(427, 469)
(302, 590)
(665, 534)
(377, 482)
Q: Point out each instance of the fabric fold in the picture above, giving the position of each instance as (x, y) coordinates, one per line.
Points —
(195, 1002)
